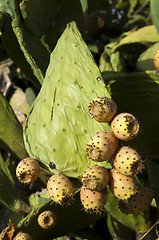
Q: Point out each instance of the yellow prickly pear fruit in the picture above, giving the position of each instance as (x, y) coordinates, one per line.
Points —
(156, 59)
(28, 170)
(122, 186)
(60, 189)
(125, 126)
(102, 109)
(95, 178)
(93, 201)
(128, 161)
(46, 220)
(102, 146)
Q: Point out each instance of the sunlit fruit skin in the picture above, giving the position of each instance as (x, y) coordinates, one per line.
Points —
(22, 236)
(60, 189)
(138, 202)
(93, 201)
(102, 109)
(156, 59)
(128, 161)
(95, 178)
(28, 170)
(46, 220)
(125, 126)
(102, 146)
(122, 186)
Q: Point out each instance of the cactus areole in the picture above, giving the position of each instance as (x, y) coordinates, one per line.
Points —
(59, 125)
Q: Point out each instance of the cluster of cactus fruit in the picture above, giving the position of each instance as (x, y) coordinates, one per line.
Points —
(121, 179)
(127, 162)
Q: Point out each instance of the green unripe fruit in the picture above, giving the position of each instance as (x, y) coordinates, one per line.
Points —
(138, 202)
(122, 186)
(125, 126)
(93, 201)
(60, 189)
(95, 178)
(28, 170)
(102, 109)
(102, 146)
(128, 161)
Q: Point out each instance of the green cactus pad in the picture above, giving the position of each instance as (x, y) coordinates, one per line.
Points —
(59, 126)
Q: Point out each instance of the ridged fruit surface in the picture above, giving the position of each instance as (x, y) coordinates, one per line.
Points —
(95, 178)
(122, 186)
(60, 189)
(128, 161)
(102, 109)
(138, 202)
(28, 170)
(93, 201)
(46, 220)
(125, 126)
(102, 146)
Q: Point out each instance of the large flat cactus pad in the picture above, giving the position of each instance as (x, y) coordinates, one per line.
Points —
(59, 126)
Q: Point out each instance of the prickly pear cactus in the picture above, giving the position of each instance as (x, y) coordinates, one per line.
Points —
(59, 126)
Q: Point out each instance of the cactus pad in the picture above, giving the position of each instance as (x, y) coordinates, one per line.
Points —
(59, 126)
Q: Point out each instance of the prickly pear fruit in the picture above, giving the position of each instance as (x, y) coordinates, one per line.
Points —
(128, 161)
(60, 189)
(46, 219)
(102, 146)
(156, 59)
(138, 202)
(28, 170)
(95, 178)
(122, 186)
(93, 201)
(102, 109)
(22, 236)
(125, 126)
